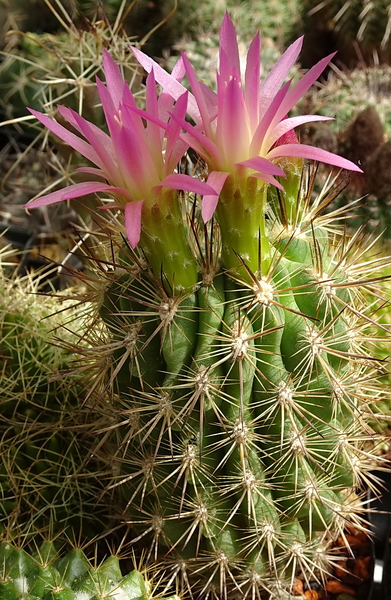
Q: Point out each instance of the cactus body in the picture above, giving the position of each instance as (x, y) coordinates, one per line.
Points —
(244, 441)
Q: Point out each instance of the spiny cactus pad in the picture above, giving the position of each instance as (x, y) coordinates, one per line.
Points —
(47, 575)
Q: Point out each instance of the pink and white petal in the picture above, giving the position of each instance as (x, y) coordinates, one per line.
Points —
(312, 153)
(133, 212)
(177, 181)
(92, 171)
(216, 180)
(258, 141)
(288, 124)
(115, 81)
(153, 133)
(229, 52)
(109, 109)
(98, 139)
(302, 86)
(67, 136)
(252, 76)
(175, 145)
(200, 97)
(278, 74)
(203, 145)
(74, 191)
(169, 83)
(233, 135)
(258, 163)
(268, 179)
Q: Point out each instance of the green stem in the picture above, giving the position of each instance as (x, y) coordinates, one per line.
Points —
(241, 216)
(164, 239)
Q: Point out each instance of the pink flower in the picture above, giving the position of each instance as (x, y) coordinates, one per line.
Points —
(135, 162)
(237, 130)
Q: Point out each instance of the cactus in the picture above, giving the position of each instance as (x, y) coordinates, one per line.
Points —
(358, 29)
(238, 437)
(42, 445)
(48, 67)
(48, 575)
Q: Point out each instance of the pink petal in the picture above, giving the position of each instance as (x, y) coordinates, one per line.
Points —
(92, 171)
(70, 138)
(206, 111)
(251, 88)
(133, 212)
(302, 86)
(115, 81)
(288, 124)
(177, 181)
(229, 52)
(176, 147)
(75, 191)
(216, 180)
(99, 140)
(167, 81)
(153, 132)
(258, 140)
(203, 145)
(312, 153)
(258, 163)
(278, 74)
(232, 131)
(268, 179)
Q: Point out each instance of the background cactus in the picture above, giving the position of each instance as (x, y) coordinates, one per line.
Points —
(358, 29)
(49, 575)
(361, 131)
(42, 440)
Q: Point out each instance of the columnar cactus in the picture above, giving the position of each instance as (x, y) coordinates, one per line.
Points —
(240, 335)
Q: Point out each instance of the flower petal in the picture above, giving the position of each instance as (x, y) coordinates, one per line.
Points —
(312, 153)
(278, 74)
(233, 134)
(115, 81)
(302, 86)
(67, 136)
(268, 179)
(258, 163)
(75, 191)
(178, 181)
(167, 81)
(251, 87)
(229, 52)
(98, 139)
(207, 111)
(216, 180)
(288, 124)
(133, 212)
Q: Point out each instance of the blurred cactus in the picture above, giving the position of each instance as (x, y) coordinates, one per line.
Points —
(48, 575)
(50, 69)
(42, 429)
(359, 29)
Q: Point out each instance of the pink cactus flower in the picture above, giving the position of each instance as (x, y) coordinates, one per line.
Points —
(136, 162)
(237, 130)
